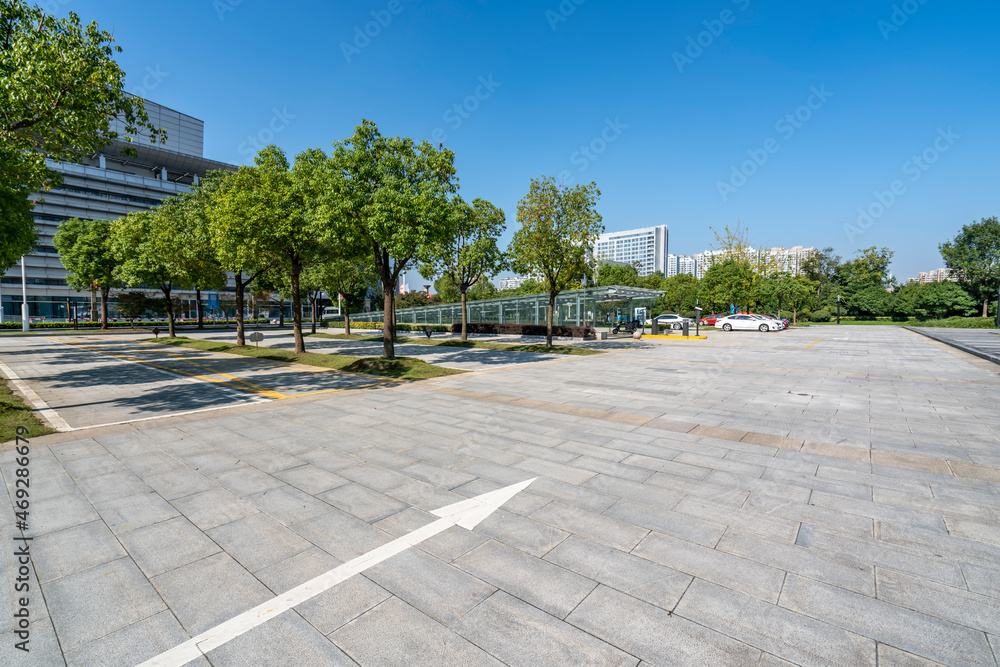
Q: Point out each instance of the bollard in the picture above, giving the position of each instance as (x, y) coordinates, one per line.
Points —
(686, 328)
(654, 329)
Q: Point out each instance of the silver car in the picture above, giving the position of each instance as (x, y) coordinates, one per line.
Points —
(748, 323)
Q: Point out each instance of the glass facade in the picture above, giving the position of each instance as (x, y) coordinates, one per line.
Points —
(595, 306)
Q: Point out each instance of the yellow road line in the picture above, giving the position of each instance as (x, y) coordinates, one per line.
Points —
(811, 344)
(234, 383)
(330, 391)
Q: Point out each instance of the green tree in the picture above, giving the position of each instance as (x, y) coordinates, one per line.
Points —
(60, 93)
(872, 301)
(132, 305)
(468, 255)
(679, 293)
(617, 274)
(445, 289)
(559, 227)
(394, 194)
(942, 299)
(728, 282)
(974, 254)
(350, 275)
(821, 266)
(85, 250)
(799, 290)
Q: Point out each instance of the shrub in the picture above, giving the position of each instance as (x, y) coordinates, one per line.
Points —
(444, 328)
(821, 316)
(522, 329)
(961, 323)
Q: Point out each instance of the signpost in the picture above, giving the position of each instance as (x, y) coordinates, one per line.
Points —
(213, 301)
(256, 337)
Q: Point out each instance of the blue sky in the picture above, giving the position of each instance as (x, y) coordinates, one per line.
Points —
(667, 101)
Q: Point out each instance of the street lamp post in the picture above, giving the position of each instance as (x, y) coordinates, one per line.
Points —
(838, 309)
(25, 321)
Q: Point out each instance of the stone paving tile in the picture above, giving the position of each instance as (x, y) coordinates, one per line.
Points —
(417, 639)
(443, 592)
(524, 533)
(596, 527)
(441, 477)
(288, 504)
(667, 522)
(341, 535)
(284, 640)
(983, 580)
(132, 512)
(73, 550)
(247, 481)
(519, 634)
(848, 524)
(736, 517)
(95, 602)
(638, 577)
(179, 483)
(879, 511)
(167, 545)
(740, 574)
(55, 514)
(214, 507)
(310, 478)
(257, 541)
(653, 635)
(908, 630)
(362, 502)
(133, 644)
(537, 582)
(200, 607)
(774, 629)
(44, 648)
(889, 656)
(953, 604)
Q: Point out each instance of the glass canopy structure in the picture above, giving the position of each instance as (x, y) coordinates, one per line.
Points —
(593, 306)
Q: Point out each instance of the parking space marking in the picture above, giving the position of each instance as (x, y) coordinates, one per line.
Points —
(247, 387)
(465, 514)
(43, 408)
(813, 343)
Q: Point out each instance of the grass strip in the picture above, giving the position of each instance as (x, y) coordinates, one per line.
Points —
(401, 368)
(473, 344)
(14, 413)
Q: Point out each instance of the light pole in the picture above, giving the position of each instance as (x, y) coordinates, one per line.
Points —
(25, 320)
(838, 309)
(697, 316)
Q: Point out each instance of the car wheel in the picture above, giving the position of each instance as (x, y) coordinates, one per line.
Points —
(727, 327)
(676, 325)
(763, 328)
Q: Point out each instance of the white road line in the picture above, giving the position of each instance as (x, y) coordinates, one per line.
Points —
(172, 414)
(50, 415)
(467, 514)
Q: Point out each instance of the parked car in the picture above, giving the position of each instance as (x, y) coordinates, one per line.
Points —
(669, 321)
(745, 322)
(783, 323)
(709, 320)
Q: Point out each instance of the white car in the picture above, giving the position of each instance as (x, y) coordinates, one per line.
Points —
(747, 323)
(669, 321)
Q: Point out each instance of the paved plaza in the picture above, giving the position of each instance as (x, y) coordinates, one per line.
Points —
(825, 495)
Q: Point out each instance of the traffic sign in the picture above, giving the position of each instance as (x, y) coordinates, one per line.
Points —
(256, 337)
(213, 300)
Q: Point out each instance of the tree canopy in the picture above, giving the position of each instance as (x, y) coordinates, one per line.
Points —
(974, 254)
(85, 249)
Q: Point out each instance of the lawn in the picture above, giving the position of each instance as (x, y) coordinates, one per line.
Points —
(14, 413)
(474, 344)
(402, 368)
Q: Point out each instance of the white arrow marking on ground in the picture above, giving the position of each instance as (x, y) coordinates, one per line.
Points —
(466, 513)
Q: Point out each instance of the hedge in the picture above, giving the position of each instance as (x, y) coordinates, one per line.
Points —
(522, 329)
(443, 328)
(821, 316)
(137, 323)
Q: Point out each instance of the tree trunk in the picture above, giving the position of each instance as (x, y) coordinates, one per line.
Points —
(240, 328)
(171, 331)
(986, 307)
(465, 319)
(314, 299)
(281, 312)
(388, 349)
(105, 289)
(300, 343)
(552, 307)
(347, 318)
(197, 296)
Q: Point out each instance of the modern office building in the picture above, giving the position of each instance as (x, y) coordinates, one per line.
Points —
(645, 249)
(938, 276)
(106, 186)
(791, 259)
(677, 264)
(514, 282)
